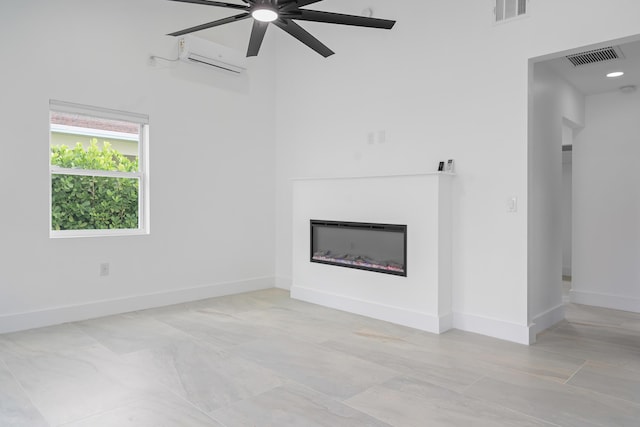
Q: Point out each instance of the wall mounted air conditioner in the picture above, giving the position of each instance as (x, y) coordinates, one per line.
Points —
(200, 51)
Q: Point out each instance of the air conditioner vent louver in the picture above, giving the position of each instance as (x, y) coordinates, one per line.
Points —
(508, 9)
(594, 56)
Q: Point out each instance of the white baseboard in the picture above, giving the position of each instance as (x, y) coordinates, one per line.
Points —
(445, 323)
(493, 328)
(284, 283)
(90, 310)
(615, 302)
(413, 319)
(547, 319)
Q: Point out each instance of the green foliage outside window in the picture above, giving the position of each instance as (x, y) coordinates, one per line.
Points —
(91, 202)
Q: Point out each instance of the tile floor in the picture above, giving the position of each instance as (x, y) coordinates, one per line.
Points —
(262, 359)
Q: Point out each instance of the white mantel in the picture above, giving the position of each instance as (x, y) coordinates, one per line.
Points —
(423, 299)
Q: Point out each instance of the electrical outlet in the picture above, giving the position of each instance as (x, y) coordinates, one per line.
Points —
(104, 269)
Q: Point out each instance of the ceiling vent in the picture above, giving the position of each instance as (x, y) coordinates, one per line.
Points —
(509, 9)
(610, 53)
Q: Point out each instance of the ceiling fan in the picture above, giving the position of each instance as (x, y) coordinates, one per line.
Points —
(282, 14)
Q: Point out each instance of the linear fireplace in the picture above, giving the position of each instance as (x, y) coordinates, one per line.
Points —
(375, 247)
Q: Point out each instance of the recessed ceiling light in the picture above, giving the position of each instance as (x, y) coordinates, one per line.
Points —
(265, 15)
(615, 74)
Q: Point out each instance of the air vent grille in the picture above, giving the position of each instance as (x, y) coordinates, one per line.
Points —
(594, 56)
(508, 9)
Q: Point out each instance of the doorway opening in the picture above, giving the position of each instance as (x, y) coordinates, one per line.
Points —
(584, 203)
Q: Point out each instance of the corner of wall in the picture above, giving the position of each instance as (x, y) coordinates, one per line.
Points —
(283, 283)
(495, 328)
(546, 320)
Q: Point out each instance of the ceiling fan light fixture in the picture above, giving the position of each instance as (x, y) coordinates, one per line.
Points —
(264, 14)
(283, 14)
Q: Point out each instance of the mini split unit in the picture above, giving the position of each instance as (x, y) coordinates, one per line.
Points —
(200, 51)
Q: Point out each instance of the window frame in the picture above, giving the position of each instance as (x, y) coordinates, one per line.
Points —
(142, 175)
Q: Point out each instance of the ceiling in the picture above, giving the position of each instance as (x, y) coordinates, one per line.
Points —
(591, 79)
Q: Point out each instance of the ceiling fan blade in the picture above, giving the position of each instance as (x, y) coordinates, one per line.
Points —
(286, 6)
(299, 3)
(301, 34)
(211, 24)
(215, 3)
(257, 35)
(338, 18)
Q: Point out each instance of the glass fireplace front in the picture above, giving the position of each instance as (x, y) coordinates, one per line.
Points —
(366, 246)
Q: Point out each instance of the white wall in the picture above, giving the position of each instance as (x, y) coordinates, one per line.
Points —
(567, 215)
(211, 150)
(606, 200)
(444, 83)
(554, 101)
(567, 190)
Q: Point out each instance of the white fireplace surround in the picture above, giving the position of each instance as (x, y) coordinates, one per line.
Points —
(423, 299)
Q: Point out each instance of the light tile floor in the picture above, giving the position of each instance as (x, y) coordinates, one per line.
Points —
(262, 359)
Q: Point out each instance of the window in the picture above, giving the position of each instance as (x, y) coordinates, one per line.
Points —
(98, 171)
